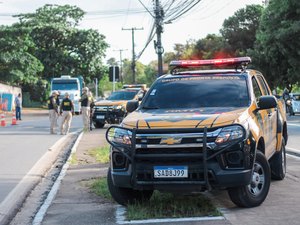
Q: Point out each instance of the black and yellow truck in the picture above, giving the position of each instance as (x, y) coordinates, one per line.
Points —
(201, 129)
(113, 109)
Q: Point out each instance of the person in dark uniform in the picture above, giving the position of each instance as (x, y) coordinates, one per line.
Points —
(58, 105)
(53, 111)
(67, 112)
(92, 105)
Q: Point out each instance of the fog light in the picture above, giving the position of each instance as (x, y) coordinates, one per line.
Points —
(234, 157)
(119, 159)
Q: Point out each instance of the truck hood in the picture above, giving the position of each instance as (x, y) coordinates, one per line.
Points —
(110, 102)
(185, 118)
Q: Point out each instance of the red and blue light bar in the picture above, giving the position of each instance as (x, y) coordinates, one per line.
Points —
(211, 62)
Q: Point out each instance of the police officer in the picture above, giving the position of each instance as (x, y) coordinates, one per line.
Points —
(66, 111)
(92, 105)
(53, 111)
(85, 108)
(58, 105)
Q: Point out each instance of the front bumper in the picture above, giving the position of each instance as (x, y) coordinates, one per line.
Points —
(229, 166)
(109, 115)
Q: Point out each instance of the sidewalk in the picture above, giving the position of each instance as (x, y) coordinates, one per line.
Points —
(74, 202)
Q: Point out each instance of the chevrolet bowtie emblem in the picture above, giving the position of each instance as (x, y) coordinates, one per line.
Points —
(170, 141)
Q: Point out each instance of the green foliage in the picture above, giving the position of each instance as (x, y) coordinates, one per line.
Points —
(167, 205)
(240, 29)
(60, 46)
(141, 77)
(101, 154)
(17, 65)
(99, 187)
(49, 41)
(67, 16)
(277, 47)
(212, 46)
(105, 86)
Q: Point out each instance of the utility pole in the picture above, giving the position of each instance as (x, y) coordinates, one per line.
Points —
(121, 63)
(159, 16)
(133, 53)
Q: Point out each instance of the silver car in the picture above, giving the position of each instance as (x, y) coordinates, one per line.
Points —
(294, 103)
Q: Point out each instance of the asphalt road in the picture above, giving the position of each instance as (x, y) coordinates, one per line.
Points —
(22, 149)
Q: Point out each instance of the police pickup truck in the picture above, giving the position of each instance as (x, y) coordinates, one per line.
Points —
(199, 130)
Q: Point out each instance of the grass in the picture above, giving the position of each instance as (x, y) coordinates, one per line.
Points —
(162, 205)
(73, 159)
(167, 205)
(100, 188)
(101, 154)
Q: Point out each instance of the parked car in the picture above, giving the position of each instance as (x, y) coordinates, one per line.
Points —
(113, 109)
(294, 103)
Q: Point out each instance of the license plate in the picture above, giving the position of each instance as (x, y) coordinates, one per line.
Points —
(170, 171)
(100, 116)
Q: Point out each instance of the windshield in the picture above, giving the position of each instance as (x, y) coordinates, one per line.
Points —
(122, 95)
(64, 85)
(197, 92)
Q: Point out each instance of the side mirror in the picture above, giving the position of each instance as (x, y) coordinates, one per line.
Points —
(132, 105)
(267, 102)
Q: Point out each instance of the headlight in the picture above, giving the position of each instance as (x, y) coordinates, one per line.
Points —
(120, 136)
(230, 133)
(117, 107)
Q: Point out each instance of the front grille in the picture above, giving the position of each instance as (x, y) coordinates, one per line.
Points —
(173, 149)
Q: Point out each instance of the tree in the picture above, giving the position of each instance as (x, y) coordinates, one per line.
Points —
(212, 46)
(61, 47)
(278, 42)
(17, 65)
(240, 29)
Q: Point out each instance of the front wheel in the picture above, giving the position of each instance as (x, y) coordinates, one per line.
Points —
(256, 192)
(278, 163)
(125, 196)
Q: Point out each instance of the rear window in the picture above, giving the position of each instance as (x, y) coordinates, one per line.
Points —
(199, 91)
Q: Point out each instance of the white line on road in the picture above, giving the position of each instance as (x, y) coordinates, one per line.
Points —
(294, 124)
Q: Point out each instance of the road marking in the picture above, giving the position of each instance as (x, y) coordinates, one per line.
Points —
(120, 218)
(43, 209)
(294, 124)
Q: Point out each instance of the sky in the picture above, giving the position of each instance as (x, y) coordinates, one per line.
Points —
(115, 19)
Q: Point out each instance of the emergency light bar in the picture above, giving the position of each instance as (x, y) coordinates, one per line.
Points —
(210, 62)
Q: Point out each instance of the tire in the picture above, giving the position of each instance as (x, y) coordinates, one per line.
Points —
(278, 163)
(125, 196)
(255, 193)
(99, 125)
